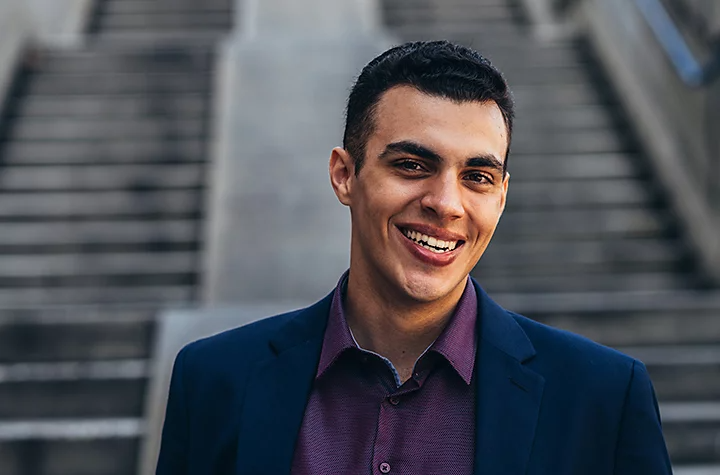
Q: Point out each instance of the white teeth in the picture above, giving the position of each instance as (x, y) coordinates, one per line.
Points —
(433, 244)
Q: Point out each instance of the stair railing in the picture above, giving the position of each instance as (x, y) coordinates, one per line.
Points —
(668, 35)
(663, 57)
(702, 17)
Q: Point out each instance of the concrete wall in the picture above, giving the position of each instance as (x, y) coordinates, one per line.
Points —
(51, 22)
(677, 124)
(58, 22)
(14, 32)
(276, 230)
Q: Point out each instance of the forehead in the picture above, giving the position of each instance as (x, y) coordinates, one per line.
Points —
(465, 128)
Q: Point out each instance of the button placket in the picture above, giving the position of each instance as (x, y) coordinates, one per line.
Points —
(382, 449)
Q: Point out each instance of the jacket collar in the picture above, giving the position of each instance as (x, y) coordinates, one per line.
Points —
(508, 393)
(307, 325)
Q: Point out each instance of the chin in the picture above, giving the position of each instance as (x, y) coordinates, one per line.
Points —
(425, 288)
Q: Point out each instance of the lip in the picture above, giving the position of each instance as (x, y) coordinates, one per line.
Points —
(438, 233)
(427, 256)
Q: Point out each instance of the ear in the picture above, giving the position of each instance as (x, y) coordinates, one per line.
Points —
(503, 199)
(342, 174)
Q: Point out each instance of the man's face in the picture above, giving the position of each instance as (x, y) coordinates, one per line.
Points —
(429, 195)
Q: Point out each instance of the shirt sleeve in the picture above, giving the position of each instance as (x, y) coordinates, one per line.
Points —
(641, 446)
(172, 459)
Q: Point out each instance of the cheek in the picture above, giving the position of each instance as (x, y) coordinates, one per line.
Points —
(485, 214)
(388, 198)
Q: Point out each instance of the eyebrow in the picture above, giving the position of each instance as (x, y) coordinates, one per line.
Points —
(414, 148)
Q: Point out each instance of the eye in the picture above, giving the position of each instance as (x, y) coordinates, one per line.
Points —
(410, 165)
(477, 177)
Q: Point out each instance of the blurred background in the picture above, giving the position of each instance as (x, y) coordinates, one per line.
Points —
(170, 154)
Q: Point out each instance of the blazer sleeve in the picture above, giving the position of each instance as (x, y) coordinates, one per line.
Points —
(172, 459)
(641, 446)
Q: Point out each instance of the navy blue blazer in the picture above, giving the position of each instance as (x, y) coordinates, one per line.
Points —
(548, 402)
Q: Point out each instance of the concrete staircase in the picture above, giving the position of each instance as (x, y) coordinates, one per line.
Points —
(102, 177)
(158, 17)
(587, 242)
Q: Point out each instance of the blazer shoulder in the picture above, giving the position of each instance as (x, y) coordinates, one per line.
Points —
(569, 352)
(238, 347)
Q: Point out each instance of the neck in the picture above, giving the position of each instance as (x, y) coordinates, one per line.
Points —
(395, 328)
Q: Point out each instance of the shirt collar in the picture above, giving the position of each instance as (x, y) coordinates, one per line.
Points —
(457, 343)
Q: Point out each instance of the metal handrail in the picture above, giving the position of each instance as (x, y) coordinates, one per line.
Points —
(668, 35)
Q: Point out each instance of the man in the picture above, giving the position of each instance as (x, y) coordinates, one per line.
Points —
(408, 367)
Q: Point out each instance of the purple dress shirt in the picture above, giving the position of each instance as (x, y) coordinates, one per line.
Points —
(361, 420)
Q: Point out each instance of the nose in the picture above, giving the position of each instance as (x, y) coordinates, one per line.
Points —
(443, 197)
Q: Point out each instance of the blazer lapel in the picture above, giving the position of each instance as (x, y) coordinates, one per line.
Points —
(508, 393)
(277, 394)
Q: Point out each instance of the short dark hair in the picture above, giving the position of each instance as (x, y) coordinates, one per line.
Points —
(437, 68)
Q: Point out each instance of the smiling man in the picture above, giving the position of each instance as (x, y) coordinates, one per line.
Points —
(408, 367)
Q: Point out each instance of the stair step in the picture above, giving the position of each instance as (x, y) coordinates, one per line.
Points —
(172, 150)
(150, 85)
(546, 94)
(574, 224)
(696, 469)
(98, 264)
(676, 355)
(103, 82)
(97, 295)
(631, 327)
(70, 399)
(76, 335)
(691, 431)
(67, 371)
(72, 389)
(168, 7)
(85, 453)
(507, 46)
(101, 177)
(568, 74)
(682, 373)
(546, 257)
(579, 142)
(112, 108)
(178, 21)
(115, 58)
(72, 429)
(570, 118)
(100, 204)
(98, 233)
(493, 283)
(449, 13)
(51, 129)
(584, 166)
(608, 302)
(562, 194)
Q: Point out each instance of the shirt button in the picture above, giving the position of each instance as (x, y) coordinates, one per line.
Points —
(385, 467)
(394, 401)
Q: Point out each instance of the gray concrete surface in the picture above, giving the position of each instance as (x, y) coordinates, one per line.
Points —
(176, 328)
(59, 22)
(276, 230)
(672, 119)
(14, 32)
(47, 22)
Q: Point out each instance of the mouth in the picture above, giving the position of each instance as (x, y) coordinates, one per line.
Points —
(431, 243)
